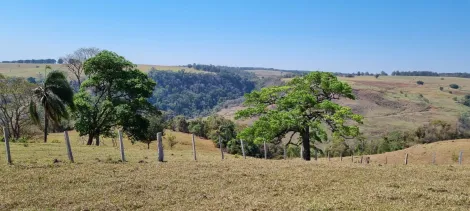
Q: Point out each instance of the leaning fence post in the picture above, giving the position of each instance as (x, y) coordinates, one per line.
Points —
(7, 145)
(220, 145)
(406, 159)
(460, 158)
(160, 146)
(265, 151)
(121, 146)
(243, 149)
(67, 144)
(434, 158)
(194, 147)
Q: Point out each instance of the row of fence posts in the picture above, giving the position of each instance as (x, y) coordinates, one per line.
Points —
(161, 154)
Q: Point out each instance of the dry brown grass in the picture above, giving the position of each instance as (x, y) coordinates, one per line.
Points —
(98, 181)
(31, 70)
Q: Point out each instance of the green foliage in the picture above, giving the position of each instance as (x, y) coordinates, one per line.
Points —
(31, 80)
(157, 124)
(305, 105)
(196, 94)
(455, 157)
(179, 124)
(53, 97)
(171, 140)
(463, 125)
(420, 82)
(115, 94)
(377, 75)
(454, 86)
(466, 100)
(441, 88)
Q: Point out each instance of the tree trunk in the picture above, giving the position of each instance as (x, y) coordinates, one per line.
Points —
(97, 139)
(46, 126)
(90, 139)
(148, 145)
(306, 144)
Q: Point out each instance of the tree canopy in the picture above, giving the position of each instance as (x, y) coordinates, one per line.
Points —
(114, 95)
(306, 105)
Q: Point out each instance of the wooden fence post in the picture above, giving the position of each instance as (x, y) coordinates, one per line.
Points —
(7, 145)
(460, 157)
(352, 158)
(386, 160)
(434, 158)
(121, 146)
(194, 147)
(406, 159)
(316, 154)
(328, 156)
(243, 149)
(301, 152)
(362, 157)
(220, 146)
(341, 157)
(160, 147)
(69, 148)
(265, 151)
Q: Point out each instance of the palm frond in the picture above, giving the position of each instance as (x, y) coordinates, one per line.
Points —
(57, 83)
(33, 113)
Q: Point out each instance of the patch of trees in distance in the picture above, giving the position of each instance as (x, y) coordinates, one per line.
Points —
(194, 94)
(429, 73)
(217, 69)
(35, 61)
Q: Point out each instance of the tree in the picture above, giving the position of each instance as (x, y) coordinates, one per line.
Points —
(383, 73)
(179, 124)
(15, 94)
(60, 61)
(454, 86)
(114, 95)
(31, 80)
(420, 82)
(306, 106)
(156, 124)
(53, 96)
(75, 61)
(377, 75)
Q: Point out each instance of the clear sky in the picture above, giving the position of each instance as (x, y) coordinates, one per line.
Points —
(346, 36)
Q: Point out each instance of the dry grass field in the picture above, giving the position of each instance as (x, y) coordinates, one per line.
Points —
(99, 181)
(397, 103)
(33, 70)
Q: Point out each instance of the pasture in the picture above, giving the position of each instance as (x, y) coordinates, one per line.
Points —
(34, 70)
(99, 181)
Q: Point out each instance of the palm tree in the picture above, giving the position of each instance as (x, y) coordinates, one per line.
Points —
(52, 96)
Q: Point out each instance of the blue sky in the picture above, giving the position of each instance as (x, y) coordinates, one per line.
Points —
(346, 36)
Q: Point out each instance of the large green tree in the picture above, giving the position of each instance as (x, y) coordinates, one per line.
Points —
(114, 95)
(306, 105)
(53, 96)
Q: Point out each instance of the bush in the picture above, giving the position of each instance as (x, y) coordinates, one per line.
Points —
(420, 82)
(442, 78)
(441, 88)
(454, 86)
(454, 98)
(55, 141)
(171, 140)
(455, 157)
(450, 92)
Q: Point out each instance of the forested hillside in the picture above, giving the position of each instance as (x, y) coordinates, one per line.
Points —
(195, 94)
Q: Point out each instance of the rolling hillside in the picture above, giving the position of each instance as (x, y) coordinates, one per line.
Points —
(33, 70)
(392, 103)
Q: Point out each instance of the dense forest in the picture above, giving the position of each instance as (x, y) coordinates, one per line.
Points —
(195, 94)
(33, 61)
(429, 73)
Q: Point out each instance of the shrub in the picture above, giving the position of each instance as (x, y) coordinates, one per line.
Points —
(420, 95)
(377, 75)
(441, 88)
(420, 82)
(55, 141)
(454, 98)
(171, 140)
(454, 86)
(401, 92)
(442, 78)
(450, 92)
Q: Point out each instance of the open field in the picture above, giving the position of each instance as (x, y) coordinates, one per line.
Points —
(33, 70)
(98, 181)
(392, 103)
